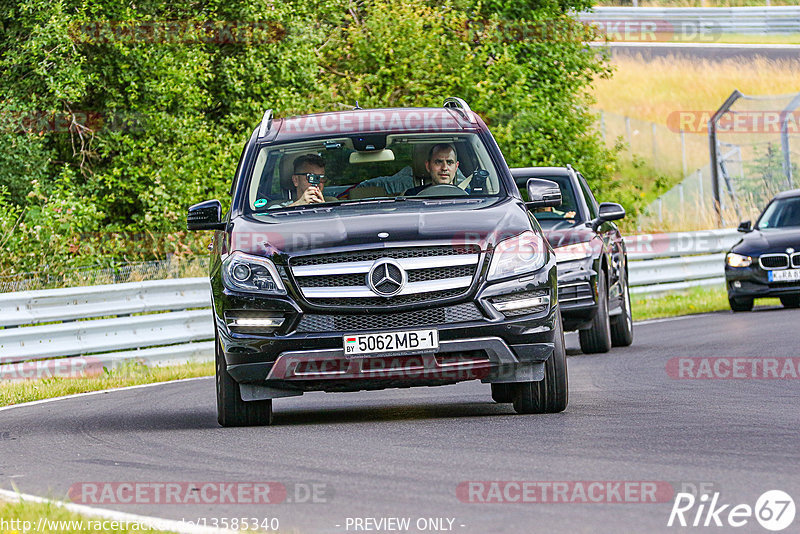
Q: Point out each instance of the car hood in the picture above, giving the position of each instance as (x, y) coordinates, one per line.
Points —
(319, 230)
(571, 236)
(757, 242)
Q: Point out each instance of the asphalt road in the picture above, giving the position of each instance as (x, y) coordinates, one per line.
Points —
(403, 453)
(705, 51)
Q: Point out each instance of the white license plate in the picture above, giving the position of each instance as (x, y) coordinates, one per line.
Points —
(787, 275)
(392, 342)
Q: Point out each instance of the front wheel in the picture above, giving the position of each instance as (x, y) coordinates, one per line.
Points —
(622, 326)
(503, 393)
(597, 338)
(740, 304)
(551, 394)
(231, 409)
(791, 301)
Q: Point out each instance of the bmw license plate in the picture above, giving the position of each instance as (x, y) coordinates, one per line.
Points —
(412, 341)
(786, 275)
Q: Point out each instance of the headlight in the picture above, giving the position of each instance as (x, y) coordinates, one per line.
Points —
(243, 272)
(578, 251)
(737, 260)
(518, 255)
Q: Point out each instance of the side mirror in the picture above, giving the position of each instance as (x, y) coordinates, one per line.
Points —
(745, 227)
(610, 211)
(543, 194)
(205, 216)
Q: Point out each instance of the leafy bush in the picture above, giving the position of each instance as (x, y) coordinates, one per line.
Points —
(126, 128)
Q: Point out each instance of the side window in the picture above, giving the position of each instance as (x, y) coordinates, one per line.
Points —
(587, 194)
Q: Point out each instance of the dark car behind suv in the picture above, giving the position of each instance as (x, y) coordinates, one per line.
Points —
(386, 283)
(593, 291)
(766, 261)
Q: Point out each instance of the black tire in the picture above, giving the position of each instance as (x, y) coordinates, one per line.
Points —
(503, 393)
(597, 338)
(231, 409)
(791, 301)
(622, 325)
(740, 304)
(550, 395)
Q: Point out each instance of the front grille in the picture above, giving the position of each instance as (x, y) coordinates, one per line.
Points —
(774, 261)
(796, 260)
(576, 291)
(394, 253)
(394, 301)
(431, 274)
(460, 313)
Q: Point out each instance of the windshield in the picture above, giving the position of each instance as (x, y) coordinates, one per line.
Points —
(783, 213)
(564, 216)
(366, 168)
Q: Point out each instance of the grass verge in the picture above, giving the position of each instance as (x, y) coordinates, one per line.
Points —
(24, 516)
(696, 300)
(132, 374)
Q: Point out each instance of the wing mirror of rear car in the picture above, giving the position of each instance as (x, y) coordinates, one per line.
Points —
(543, 194)
(608, 211)
(745, 227)
(205, 216)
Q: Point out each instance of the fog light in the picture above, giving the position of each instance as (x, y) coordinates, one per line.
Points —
(255, 323)
(737, 284)
(513, 305)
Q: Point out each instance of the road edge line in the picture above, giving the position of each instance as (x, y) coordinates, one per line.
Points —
(158, 523)
(101, 391)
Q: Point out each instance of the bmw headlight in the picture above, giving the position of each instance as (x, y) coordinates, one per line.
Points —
(577, 251)
(243, 272)
(737, 260)
(518, 255)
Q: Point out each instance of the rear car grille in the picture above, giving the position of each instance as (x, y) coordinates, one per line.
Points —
(429, 274)
(575, 292)
(460, 313)
(774, 261)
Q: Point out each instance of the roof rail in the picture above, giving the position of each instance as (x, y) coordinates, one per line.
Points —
(462, 107)
(266, 123)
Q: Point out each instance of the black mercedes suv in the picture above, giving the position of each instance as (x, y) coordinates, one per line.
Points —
(381, 248)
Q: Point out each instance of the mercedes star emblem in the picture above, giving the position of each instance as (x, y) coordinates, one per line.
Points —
(386, 278)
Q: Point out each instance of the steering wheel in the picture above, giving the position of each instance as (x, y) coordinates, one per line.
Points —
(443, 190)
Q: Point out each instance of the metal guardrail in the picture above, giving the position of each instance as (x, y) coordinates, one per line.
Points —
(168, 321)
(710, 20)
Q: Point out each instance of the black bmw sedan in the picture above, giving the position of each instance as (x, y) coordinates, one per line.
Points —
(766, 262)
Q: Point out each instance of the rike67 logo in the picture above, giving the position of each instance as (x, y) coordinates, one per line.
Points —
(774, 510)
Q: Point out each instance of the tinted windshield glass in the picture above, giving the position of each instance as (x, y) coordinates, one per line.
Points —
(784, 213)
(332, 171)
(564, 216)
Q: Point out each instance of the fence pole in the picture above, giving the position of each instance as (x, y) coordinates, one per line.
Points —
(628, 132)
(683, 153)
(700, 187)
(603, 126)
(655, 142)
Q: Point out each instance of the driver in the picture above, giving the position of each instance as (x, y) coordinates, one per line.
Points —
(441, 165)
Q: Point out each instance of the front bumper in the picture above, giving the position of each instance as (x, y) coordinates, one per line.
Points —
(488, 345)
(753, 282)
(577, 293)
